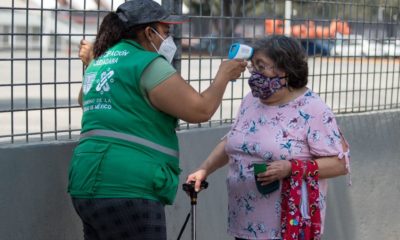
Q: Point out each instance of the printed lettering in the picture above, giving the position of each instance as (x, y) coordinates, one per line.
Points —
(107, 61)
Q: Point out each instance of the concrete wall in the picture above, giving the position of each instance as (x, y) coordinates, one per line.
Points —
(34, 204)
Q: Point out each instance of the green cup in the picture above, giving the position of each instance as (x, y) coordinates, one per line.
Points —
(264, 189)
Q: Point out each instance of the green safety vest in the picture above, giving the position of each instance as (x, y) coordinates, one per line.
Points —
(127, 147)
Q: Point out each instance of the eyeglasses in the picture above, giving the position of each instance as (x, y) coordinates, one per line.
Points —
(262, 68)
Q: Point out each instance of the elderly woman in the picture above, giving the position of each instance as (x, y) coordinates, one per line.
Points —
(289, 130)
(125, 167)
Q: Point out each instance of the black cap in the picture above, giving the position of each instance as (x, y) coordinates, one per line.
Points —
(137, 12)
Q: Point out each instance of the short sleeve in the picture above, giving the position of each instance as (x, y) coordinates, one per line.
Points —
(325, 138)
(155, 73)
(323, 134)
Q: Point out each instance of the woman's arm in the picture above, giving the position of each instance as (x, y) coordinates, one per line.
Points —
(328, 167)
(177, 98)
(217, 159)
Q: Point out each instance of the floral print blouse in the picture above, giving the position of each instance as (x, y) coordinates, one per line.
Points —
(302, 129)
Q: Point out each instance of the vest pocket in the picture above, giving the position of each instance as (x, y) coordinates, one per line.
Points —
(85, 169)
(165, 182)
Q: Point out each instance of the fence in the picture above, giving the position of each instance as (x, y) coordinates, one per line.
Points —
(353, 49)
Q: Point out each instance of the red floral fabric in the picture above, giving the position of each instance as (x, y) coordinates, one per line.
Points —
(293, 225)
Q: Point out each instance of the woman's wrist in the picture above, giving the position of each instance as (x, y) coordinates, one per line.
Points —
(204, 171)
(220, 77)
(288, 168)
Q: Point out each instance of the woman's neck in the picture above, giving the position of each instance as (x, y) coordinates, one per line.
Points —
(284, 96)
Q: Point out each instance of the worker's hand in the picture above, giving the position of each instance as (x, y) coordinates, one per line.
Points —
(276, 170)
(85, 51)
(232, 69)
(197, 177)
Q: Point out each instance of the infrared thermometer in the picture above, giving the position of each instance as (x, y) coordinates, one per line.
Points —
(240, 51)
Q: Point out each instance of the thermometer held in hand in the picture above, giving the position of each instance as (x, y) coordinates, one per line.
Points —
(240, 51)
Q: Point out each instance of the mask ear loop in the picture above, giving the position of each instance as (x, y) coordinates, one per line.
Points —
(154, 46)
(250, 68)
(159, 35)
(286, 81)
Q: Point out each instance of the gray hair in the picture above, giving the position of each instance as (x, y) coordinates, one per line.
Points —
(288, 56)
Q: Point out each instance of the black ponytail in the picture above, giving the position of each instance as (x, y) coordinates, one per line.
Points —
(112, 30)
(110, 33)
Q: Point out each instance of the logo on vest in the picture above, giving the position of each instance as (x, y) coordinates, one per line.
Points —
(103, 85)
(87, 82)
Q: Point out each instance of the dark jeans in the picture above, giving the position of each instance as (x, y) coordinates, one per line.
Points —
(121, 218)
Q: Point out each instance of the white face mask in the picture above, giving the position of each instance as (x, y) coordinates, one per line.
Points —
(167, 47)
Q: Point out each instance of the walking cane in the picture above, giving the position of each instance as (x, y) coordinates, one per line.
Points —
(189, 188)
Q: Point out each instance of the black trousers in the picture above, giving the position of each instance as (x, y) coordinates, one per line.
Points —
(121, 218)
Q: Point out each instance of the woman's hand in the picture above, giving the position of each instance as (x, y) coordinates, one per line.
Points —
(231, 69)
(276, 170)
(197, 177)
(85, 51)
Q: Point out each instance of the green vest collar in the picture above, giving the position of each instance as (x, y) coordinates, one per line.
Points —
(134, 43)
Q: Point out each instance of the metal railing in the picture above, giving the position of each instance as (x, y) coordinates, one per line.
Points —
(353, 48)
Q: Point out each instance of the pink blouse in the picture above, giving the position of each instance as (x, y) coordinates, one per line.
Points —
(303, 129)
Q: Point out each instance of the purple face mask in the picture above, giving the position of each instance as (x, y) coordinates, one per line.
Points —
(263, 87)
